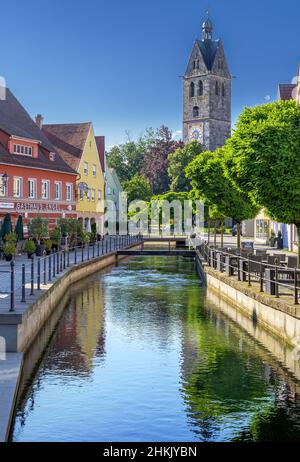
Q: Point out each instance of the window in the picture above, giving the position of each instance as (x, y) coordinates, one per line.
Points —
(99, 195)
(94, 170)
(45, 189)
(192, 90)
(88, 195)
(195, 111)
(31, 189)
(223, 90)
(93, 195)
(57, 190)
(200, 88)
(17, 186)
(21, 149)
(3, 189)
(86, 168)
(217, 88)
(69, 192)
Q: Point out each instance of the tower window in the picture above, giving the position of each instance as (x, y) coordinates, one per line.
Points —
(195, 111)
(223, 90)
(200, 88)
(217, 89)
(192, 90)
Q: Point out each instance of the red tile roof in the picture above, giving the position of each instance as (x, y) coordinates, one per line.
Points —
(69, 140)
(100, 141)
(14, 120)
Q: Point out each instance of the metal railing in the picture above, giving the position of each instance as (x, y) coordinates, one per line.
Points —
(42, 271)
(275, 279)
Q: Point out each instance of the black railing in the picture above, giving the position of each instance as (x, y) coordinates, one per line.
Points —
(44, 270)
(275, 279)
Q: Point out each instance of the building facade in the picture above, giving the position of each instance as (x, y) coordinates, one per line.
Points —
(77, 145)
(34, 180)
(113, 188)
(207, 93)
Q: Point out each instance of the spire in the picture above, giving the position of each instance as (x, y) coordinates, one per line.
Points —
(207, 28)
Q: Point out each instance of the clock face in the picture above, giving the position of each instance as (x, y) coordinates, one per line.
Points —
(196, 133)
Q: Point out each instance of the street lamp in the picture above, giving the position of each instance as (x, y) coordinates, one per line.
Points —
(3, 184)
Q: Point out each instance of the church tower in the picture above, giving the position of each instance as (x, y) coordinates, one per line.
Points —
(207, 93)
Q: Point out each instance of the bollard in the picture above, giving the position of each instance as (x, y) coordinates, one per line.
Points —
(49, 269)
(32, 277)
(98, 247)
(39, 274)
(23, 300)
(82, 253)
(110, 243)
(57, 262)
(93, 249)
(64, 259)
(106, 245)
(296, 300)
(75, 256)
(102, 245)
(54, 264)
(88, 251)
(45, 272)
(61, 260)
(261, 278)
(249, 273)
(276, 279)
(239, 269)
(12, 287)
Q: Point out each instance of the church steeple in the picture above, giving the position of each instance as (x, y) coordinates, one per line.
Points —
(207, 29)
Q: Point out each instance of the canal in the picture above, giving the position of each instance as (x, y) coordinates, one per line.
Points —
(140, 353)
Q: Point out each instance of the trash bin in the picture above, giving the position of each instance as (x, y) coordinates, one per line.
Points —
(248, 245)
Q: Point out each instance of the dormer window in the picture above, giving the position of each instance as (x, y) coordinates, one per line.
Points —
(22, 149)
(52, 156)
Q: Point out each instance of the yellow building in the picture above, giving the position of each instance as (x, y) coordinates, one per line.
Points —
(77, 145)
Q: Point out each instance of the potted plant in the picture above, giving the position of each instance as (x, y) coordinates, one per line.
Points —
(38, 229)
(10, 249)
(48, 246)
(55, 237)
(30, 248)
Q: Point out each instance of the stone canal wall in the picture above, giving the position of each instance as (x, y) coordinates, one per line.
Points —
(278, 316)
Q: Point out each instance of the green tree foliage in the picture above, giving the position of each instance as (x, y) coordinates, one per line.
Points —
(263, 157)
(127, 159)
(138, 188)
(38, 228)
(178, 161)
(155, 167)
(208, 178)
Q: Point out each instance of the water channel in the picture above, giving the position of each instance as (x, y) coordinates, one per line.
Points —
(141, 352)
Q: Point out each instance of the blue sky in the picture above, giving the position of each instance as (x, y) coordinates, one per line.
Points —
(119, 63)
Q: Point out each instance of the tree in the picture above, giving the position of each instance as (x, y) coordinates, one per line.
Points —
(263, 157)
(178, 161)
(138, 188)
(208, 177)
(38, 229)
(155, 167)
(127, 159)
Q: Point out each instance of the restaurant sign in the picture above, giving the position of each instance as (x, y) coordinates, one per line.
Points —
(36, 207)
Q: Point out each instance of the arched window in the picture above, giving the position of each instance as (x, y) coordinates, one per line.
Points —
(195, 111)
(200, 88)
(223, 90)
(192, 90)
(217, 88)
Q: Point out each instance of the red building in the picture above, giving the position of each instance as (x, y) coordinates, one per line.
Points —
(34, 179)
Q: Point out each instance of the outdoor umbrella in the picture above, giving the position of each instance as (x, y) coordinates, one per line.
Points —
(19, 229)
(6, 226)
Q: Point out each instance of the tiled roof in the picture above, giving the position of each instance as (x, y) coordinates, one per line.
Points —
(286, 91)
(15, 121)
(100, 141)
(69, 140)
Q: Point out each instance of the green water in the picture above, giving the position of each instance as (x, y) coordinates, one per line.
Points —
(141, 355)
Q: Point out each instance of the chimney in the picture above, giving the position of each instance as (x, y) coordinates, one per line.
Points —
(39, 121)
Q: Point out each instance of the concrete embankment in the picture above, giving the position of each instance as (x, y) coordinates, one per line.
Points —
(277, 315)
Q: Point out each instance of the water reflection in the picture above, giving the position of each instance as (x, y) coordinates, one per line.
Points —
(142, 353)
